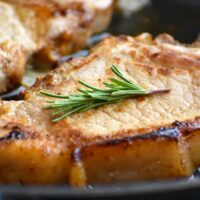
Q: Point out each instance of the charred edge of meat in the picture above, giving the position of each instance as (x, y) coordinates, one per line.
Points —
(187, 127)
(172, 132)
(14, 135)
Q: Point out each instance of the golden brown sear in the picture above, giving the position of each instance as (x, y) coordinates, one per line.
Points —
(47, 29)
(155, 137)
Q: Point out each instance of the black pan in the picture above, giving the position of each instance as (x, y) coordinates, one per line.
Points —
(157, 190)
(181, 19)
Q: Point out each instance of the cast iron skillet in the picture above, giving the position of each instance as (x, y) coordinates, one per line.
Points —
(181, 19)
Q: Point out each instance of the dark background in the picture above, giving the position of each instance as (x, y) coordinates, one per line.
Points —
(180, 18)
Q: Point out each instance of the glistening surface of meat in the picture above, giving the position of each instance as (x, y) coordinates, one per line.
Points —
(148, 138)
(48, 29)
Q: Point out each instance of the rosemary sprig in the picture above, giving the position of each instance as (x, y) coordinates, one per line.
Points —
(115, 91)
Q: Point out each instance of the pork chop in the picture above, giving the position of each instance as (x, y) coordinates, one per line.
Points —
(154, 137)
(47, 29)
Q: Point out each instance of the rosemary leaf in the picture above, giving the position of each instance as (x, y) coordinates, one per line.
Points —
(115, 91)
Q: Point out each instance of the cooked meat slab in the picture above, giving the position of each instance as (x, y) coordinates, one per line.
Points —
(48, 29)
(15, 47)
(147, 138)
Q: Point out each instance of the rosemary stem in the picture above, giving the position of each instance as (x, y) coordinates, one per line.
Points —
(115, 91)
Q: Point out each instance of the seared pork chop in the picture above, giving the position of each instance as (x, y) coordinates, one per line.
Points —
(148, 138)
(15, 47)
(48, 29)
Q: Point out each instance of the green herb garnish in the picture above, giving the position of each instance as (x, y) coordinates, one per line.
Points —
(115, 91)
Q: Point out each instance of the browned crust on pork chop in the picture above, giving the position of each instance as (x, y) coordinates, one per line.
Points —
(148, 138)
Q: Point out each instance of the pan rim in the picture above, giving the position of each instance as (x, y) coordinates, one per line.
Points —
(122, 189)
